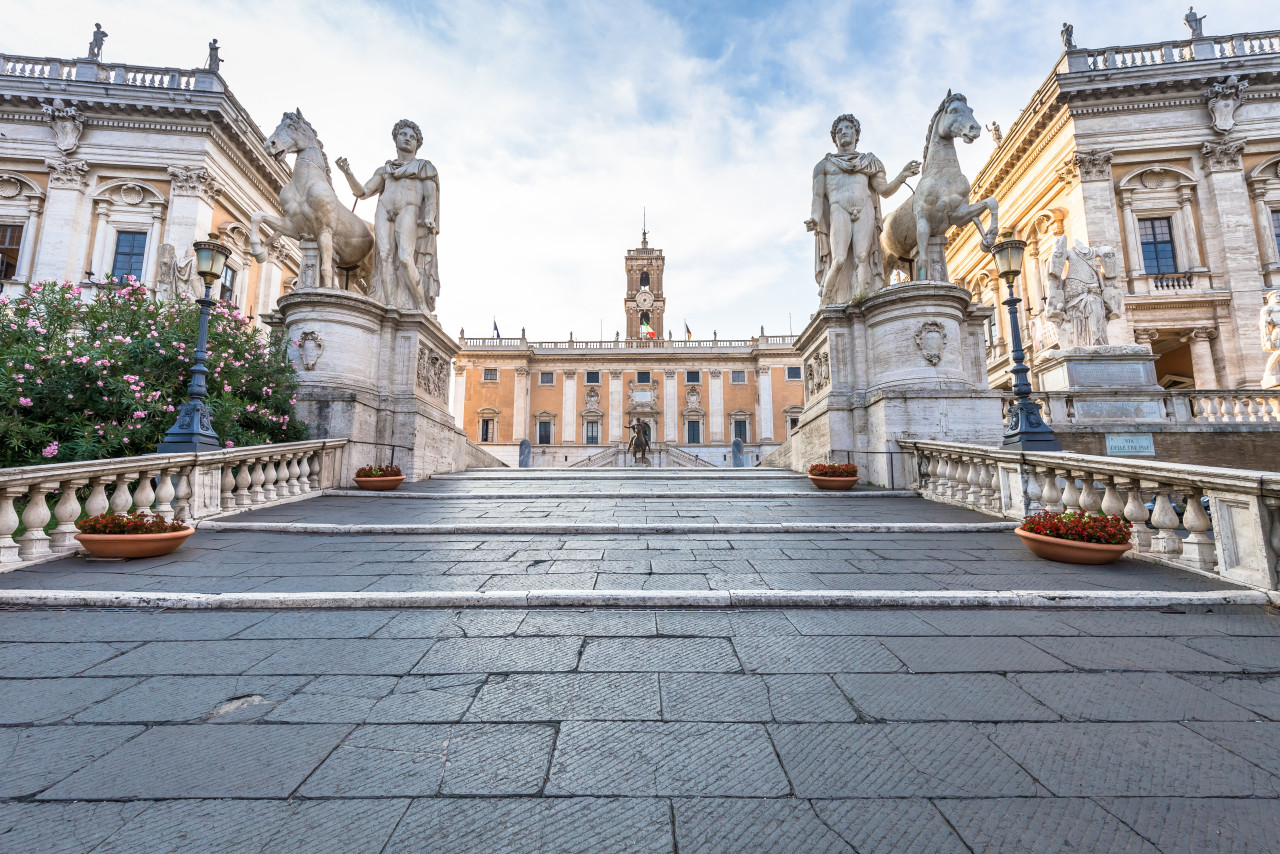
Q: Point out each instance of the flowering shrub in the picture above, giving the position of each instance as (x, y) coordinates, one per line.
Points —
(140, 522)
(103, 378)
(1081, 527)
(379, 471)
(833, 470)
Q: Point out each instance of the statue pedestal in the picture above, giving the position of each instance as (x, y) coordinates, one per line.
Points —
(906, 363)
(375, 375)
(1097, 368)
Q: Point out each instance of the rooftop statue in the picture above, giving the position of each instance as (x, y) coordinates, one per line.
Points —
(405, 271)
(95, 45)
(1068, 36)
(1194, 22)
(1082, 297)
(997, 135)
(941, 200)
(214, 62)
(845, 216)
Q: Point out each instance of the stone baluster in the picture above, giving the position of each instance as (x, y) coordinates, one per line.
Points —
(304, 473)
(96, 504)
(34, 543)
(990, 489)
(269, 479)
(227, 498)
(284, 486)
(1136, 512)
(242, 485)
(295, 488)
(145, 494)
(1197, 549)
(1166, 523)
(1112, 503)
(9, 523)
(314, 478)
(931, 472)
(1090, 500)
(1034, 494)
(182, 503)
(67, 511)
(1251, 408)
(164, 495)
(256, 478)
(972, 489)
(121, 498)
(958, 479)
(1071, 492)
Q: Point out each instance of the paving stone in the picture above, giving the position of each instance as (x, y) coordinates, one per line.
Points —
(37, 757)
(835, 622)
(429, 759)
(1159, 623)
(1041, 826)
(970, 655)
(568, 696)
(195, 658)
(500, 655)
(478, 622)
(421, 624)
(54, 659)
(941, 697)
(319, 624)
(338, 827)
(534, 826)
(598, 623)
(1258, 694)
(1088, 653)
(1255, 741)
(1127, 697)
(815, 655)
(198, 827)
(345, 656)
(49, 700)
(72, 828)
(181, 699)
(1010, 623)
(803, 698)
(334, 699)
(235, 761)
(1202, 825)
(714, 697)
(427, 699)
(732, 825)
(724, 624)
(1137, 760)
(80, 626)
(703, 655)
(655, 759)
(896, 760)
(901, 826)
(1256, 654)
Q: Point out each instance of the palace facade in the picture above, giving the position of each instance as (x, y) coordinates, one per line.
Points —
(110, 169)
(1166, 153)
(572, 400)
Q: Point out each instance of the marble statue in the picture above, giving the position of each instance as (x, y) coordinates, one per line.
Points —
(997, 135)
(1224, 100)
(95, 46)
(312, 210)
(1068, 36)
(941, 200)
(66, 124)
(405, 270)
(845, 216)
(1082, 293)
(1269, 325)
(1194, 22)
(174, 278)
(214, 62)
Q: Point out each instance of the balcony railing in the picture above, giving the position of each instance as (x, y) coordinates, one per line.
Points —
(1169, 52)
(1168, 406)
(87, 70)
(675, 344)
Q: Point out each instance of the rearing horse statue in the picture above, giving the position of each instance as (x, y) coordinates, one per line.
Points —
(942, 198)
(311, 208)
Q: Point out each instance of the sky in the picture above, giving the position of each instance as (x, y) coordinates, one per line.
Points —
(556, 125)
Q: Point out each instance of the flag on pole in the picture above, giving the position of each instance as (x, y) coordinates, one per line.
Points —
(496, 333)
(688, 336)
(646, 329)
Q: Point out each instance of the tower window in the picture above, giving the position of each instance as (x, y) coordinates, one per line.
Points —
(1157, 246)
(644, 317)
(644, 281)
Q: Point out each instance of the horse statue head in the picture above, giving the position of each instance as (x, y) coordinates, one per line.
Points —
(295, 134)
(952, 119)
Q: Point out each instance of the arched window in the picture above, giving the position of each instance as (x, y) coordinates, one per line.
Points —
(644, 317)
(644, 281)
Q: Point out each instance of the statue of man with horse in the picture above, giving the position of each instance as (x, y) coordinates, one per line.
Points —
(640, 442)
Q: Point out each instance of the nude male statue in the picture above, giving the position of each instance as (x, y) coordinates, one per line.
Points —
(405, 224)
(845, 216)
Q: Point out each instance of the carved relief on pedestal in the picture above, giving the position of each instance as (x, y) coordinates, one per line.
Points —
(66, 124)
(310, 349)
(1094, 165)
(817, 372)
(1223, 156)
(67, 174)
(931, 339)
(1224, 99)
(194, 182)
(433, 372)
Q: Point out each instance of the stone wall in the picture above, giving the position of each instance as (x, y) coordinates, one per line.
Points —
(1219, 445)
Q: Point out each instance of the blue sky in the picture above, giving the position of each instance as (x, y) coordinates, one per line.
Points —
(554, 123)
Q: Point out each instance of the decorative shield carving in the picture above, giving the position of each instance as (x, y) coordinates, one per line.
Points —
(931, 339)
(310, 349)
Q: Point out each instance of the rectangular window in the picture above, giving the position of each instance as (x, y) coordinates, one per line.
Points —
(793, 372)
(642, 377)
(1157, 246)
(695, 432)
(991, 331)
(740, 429)
(227, 286)
(130, 247)
(593, 378)
(737, 377)
(693, 376)
(491, 375)
(794, 421)
(10, 242)
(546, 378)
(488, 432)
(544, 432)
(591, 433)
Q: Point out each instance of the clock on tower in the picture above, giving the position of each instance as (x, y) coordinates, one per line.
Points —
(644, 302)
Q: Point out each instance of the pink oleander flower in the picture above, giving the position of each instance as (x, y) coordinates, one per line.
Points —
(230, 444)
(24, 401)
(51, 450)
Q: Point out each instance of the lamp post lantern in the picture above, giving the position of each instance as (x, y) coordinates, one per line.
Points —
(193, 430)
(1024, 427)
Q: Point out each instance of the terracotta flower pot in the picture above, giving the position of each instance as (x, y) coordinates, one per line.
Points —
(133, 545)
(1071, 551)
(833, 482)
(379, 484)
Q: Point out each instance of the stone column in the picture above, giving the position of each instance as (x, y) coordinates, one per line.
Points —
(1146, 336)
(1133, 244)
(1193, 259)
(764, 403)
(270, 279)
(569, 407)
(30, 238)
(715, 415)
(459, 394)
(61, 249)
(1262, 224)
(1206, 375)
(615, 406)
(520, 407)
(101, 264)
(670, 408)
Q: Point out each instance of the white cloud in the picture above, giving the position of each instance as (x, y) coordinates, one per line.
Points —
(554, 123)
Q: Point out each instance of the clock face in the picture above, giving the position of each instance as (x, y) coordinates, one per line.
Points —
(644, 299)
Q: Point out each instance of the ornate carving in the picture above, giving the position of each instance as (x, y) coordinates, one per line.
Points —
(1145, 336)
(1094, 165)
(1155, 179)
(66, 124)
(1082, 293)
(67, 174)
(715, 373)
(593, 398)
(433, 372)
(310, 349)
(817, 373)
(1223, 156)
(615, 375)
(9, 187)
(194, 182)
(931, 339)
(1224, 100)
(692, 397)
(173, 277)
(132, 194)
(1067, 171)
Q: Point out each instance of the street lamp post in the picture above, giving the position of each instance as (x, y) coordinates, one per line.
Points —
(1024, 427)
(193, 430)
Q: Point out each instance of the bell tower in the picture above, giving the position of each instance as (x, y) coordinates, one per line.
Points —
(644, 301)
